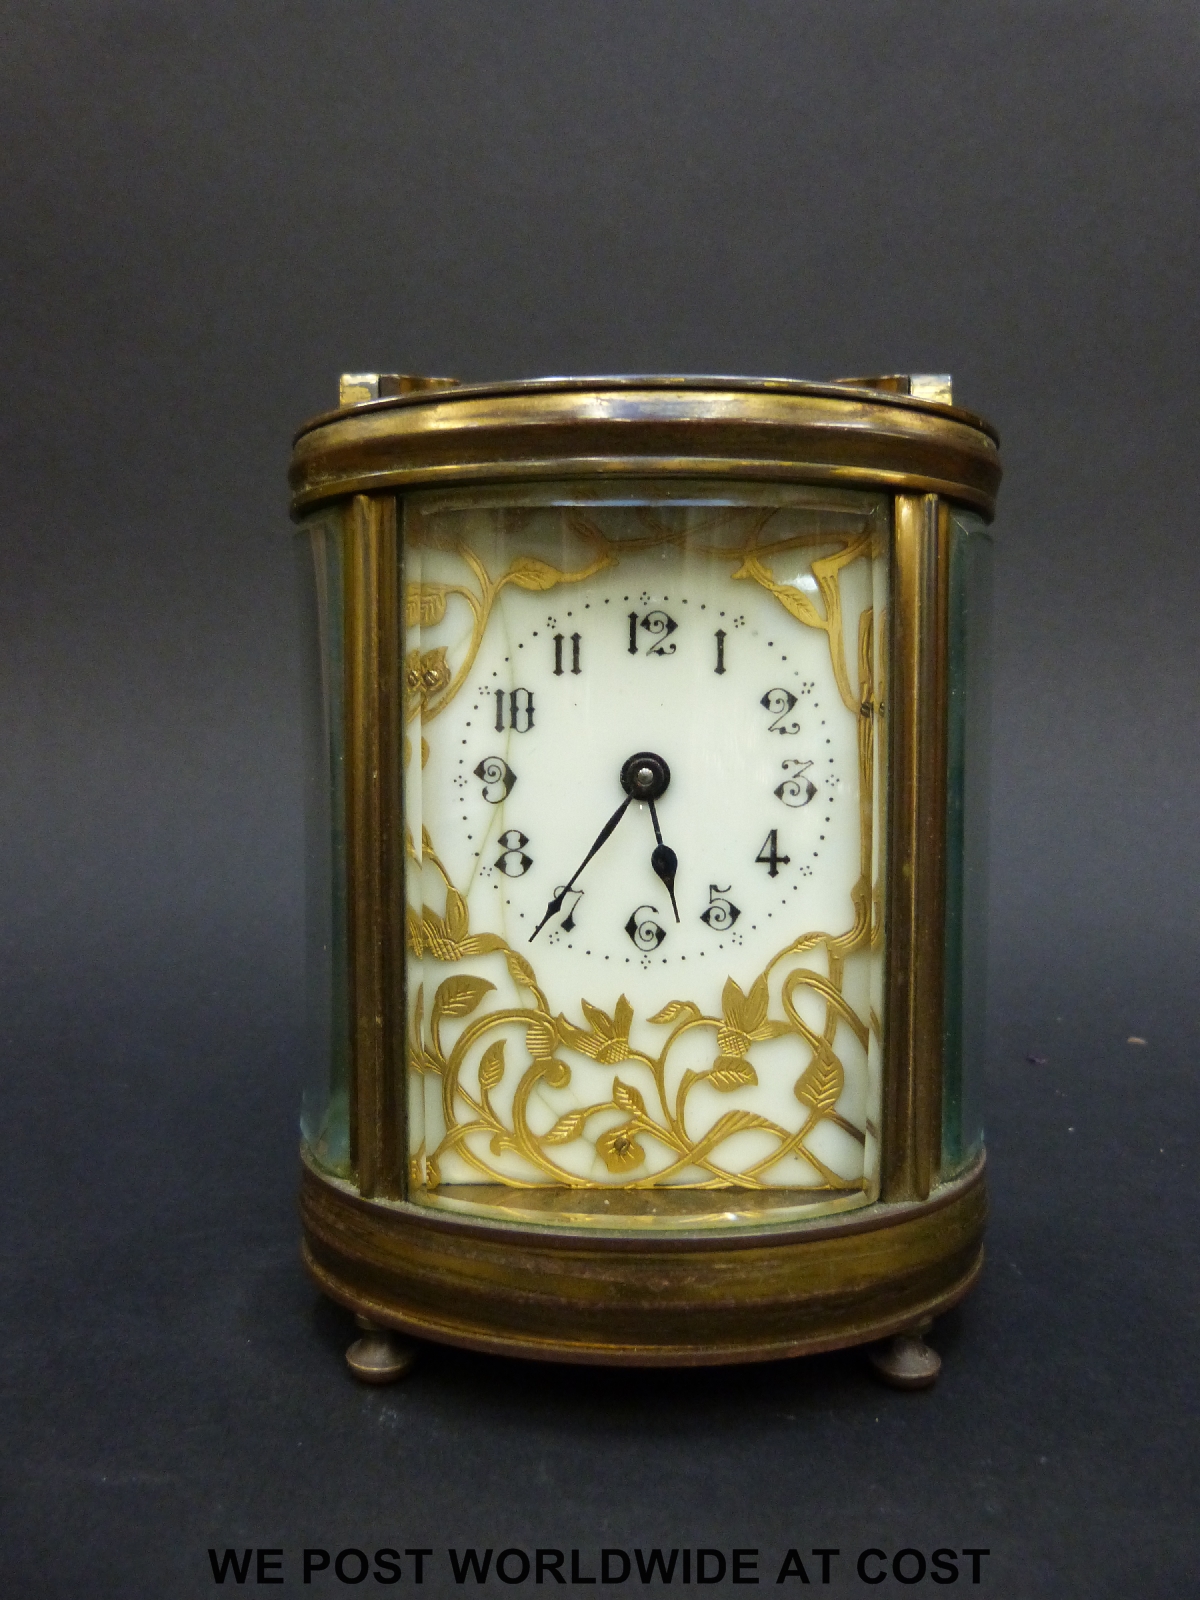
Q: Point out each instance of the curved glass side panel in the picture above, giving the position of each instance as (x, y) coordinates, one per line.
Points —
(324, 1114)
(969, 704)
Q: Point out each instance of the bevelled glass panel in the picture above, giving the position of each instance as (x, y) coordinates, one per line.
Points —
(969, 704)
(324, 1119)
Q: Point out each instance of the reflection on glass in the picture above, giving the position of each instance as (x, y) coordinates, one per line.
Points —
(969, 651)
(324, 1113)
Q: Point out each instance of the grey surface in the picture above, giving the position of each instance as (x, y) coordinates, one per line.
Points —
(208, 212)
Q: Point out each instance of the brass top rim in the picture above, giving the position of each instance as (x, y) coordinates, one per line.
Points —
(786, 429)
(674, 382)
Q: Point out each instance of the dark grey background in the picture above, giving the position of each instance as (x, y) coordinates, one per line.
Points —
(208, 212)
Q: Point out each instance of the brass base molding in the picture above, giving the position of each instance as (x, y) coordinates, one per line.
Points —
(649, 1298)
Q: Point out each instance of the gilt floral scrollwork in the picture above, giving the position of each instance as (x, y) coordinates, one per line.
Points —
(649, 1116)
(430, 682)
(489, 1055)
(425, 675)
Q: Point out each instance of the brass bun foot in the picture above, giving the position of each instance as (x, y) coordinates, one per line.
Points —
(906, 1361)
(380, 1356)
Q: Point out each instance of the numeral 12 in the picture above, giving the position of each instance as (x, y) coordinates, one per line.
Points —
(659, 626)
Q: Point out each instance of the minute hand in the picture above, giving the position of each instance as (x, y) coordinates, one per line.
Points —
(556, 904)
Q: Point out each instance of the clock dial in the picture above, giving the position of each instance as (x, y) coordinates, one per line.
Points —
(756, 807)
(641, 783)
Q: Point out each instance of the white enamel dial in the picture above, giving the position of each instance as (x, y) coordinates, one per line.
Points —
(733, 697)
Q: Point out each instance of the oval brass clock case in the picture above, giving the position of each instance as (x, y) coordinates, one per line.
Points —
(688, 1277)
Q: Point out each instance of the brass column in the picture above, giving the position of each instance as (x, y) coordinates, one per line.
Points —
(912, 1104)
(373, 850)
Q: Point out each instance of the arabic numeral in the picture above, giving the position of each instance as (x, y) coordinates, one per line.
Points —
(659, 626)
(796, 789)
(780, 703)
(721, 913)
(769, 854)
(643, 930)
(512, 860)
(519, 707)
(497, 778)
(570, 898)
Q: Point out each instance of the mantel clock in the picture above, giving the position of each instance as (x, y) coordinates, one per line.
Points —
(645, 770)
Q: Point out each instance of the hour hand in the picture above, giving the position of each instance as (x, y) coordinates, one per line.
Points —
(664, 861)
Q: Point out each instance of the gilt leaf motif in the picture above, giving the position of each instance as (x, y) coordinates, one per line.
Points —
(458, 997)
(491, 1067)
(456, 916)
(527, 572)
(732, 1072)
(566, 1128)
(674, 1009)
(424, 604)
(520, 970)
(627, 1097)
(820, 1084)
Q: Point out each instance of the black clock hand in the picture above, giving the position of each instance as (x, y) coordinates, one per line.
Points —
(556, 904)
(664, 861)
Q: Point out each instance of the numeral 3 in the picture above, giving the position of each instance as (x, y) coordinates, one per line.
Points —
(796, 789)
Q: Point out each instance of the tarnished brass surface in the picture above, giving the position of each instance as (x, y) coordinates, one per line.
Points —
(374, 852)
(912, 1108)
(619, 1297)
(602, 427)
(380, 1355)
(906, 1362)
